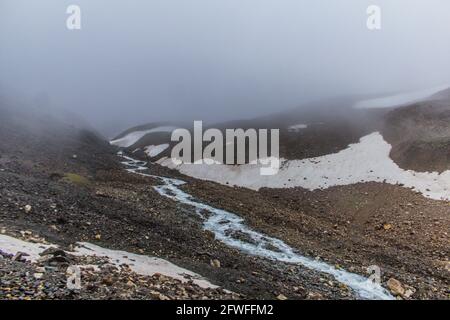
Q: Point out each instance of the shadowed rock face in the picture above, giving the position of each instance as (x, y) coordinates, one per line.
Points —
(38, 142)
(420, 135)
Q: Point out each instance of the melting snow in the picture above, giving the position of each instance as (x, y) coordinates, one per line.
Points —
(143, 265)
(366, 161)
(399, 99)
(12, 246)
(132, 137)
(153, 151)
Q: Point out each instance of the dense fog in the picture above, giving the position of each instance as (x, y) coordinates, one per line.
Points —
(138, 61)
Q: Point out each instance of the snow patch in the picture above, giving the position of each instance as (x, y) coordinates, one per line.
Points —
(399, 99)
(153, 151)
(366, 161)
(297, 127)
(12, 246)
(143, 265)
(133, 137)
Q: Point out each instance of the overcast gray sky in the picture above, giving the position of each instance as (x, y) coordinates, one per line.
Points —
(138, 61)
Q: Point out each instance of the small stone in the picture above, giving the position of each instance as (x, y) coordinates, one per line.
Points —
(98, 236)
(444, 264)
(27, 208)
(107, 281)
(101, 194)
(215, 263)
(160, 277)
(19, 256)
(53, 252)
(409, 291)
(387, 226)
(396, 287)
(38, 275)
(314, 296)
(240, 280)
(281, 297)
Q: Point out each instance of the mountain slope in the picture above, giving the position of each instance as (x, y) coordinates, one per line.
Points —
(420, 134)
(49, 196)
(344, 192)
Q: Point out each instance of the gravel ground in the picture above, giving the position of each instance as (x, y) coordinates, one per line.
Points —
(65, 185)
(22, 280)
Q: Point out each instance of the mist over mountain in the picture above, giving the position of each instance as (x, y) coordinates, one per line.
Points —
(139, 61)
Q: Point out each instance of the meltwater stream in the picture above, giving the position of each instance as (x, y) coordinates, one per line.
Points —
(224, 224)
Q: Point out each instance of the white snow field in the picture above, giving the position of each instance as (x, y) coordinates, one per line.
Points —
(141, 264)
(365, 161)
(153, 151)
(133, 137)
(399, 99)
